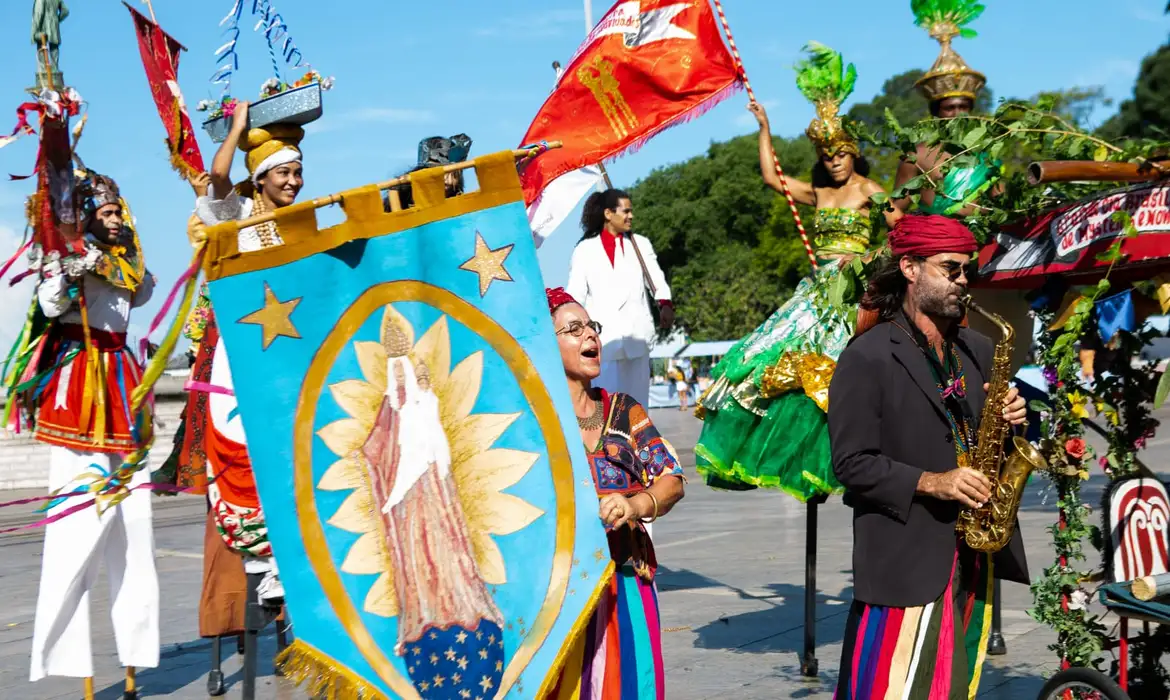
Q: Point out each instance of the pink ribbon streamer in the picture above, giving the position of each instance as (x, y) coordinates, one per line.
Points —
(193, 385)
(144, 344)
(14, 258)
(76, 508)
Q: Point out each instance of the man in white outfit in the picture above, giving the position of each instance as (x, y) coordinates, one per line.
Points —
(79, 391)
(612, 273)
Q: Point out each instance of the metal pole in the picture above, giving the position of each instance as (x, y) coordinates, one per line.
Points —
(808, 661)
(588, 17)
(995, 642)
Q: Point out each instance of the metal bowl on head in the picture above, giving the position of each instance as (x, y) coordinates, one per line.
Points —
(298, 106)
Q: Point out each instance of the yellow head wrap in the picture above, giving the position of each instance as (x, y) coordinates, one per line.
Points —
(260, 144)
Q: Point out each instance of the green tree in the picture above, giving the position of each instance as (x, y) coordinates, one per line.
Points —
(1147, 113)
(716, 231)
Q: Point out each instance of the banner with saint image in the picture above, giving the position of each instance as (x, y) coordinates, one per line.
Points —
(407, 416)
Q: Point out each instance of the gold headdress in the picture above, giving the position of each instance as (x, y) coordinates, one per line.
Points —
(950, 76)
(260, 144)
(825, 80)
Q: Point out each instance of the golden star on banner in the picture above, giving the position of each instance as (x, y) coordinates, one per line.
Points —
(488, 264)
(274, 318)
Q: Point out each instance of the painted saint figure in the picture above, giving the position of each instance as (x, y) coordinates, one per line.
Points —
(449, 627)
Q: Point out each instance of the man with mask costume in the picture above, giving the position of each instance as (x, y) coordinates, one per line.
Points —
(80, 385)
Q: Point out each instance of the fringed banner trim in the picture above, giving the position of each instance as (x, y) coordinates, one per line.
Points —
(324, 678)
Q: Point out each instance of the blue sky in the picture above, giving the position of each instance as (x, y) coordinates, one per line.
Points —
(406, 71)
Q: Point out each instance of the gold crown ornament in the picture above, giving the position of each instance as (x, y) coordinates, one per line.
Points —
(950, 76)
(825, 80)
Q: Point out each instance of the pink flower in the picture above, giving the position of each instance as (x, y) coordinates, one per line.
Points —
(1104, 463)
(1075, 447)
(1139, 443)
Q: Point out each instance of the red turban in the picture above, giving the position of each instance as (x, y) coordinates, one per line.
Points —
(557, 298)
(924, 235)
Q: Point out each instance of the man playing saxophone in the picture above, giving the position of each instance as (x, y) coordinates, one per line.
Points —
(905, 405)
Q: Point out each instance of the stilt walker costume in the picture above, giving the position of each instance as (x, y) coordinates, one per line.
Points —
(764, 419)
(80, 384)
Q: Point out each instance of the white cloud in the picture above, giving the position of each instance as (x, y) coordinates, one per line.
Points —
(747, 120)
(14, 301)
(552, 23)
(1109, 71)
(371, 115)
(1144, 11)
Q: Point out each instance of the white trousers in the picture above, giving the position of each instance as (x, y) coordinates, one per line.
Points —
(75, 547)
(630, 376)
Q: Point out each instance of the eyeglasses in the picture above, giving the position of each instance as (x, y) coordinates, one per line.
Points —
(577, 329)
(953, 270)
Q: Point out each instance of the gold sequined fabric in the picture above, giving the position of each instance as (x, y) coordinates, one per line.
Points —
(806, 371)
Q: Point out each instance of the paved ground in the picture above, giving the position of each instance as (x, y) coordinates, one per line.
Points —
(731, 584)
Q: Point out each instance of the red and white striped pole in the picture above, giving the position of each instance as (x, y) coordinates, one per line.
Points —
(812, 258)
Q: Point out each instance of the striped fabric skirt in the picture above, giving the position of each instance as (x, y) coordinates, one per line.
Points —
(931, 652)
(619, 657)
(84, 402)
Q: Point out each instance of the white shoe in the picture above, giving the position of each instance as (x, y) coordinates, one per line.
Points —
(270, 591)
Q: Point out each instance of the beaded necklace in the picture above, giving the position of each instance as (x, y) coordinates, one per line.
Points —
(267, 230)
(951, 382)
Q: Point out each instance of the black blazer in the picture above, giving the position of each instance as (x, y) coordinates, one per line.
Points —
(886, 426)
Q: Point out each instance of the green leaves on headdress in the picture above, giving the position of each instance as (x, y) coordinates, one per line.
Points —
(944, 19)
(823, 76)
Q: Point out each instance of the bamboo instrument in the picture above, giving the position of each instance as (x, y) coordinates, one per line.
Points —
(405, 179)
(1150, 587)
(1045, 171)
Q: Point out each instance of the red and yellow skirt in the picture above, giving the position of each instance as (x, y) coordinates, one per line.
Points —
(84, 402)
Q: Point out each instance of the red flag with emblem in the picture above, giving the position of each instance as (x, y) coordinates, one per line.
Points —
(645, 67)
(160, 57)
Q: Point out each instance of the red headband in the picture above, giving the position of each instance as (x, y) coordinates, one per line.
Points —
(557, 298)
(930, 234)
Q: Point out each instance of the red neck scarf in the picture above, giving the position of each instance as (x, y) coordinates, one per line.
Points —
(610, 241)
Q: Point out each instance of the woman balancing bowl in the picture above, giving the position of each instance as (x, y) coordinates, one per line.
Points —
(638, 480)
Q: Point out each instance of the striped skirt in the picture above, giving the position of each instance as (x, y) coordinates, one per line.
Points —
(619, 657)
(931, 652)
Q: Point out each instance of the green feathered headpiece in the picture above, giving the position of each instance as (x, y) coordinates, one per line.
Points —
(825, 80)
(950, 76)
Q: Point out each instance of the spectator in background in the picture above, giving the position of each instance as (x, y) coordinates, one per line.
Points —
(608, 274)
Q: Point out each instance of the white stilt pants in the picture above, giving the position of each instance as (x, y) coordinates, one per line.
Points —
(75, 547)
(628, 376)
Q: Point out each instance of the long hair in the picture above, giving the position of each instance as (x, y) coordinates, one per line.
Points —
(593, 215)
(886, 291)
(821, 177)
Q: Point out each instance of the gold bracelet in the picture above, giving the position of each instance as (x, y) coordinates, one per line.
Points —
(655, 500)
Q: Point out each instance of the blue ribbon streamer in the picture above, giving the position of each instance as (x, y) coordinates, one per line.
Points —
(1115, 314)
(276, 35)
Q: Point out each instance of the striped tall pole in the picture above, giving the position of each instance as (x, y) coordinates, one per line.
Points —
(812, 258)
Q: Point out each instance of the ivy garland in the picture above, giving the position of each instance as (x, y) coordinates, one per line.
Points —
(1016, 134)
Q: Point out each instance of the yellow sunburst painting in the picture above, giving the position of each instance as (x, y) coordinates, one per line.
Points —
(479, 471)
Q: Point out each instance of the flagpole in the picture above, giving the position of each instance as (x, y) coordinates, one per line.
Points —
(812, 258)
(588, 29)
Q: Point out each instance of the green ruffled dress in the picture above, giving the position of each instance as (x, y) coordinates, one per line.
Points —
(764, 422)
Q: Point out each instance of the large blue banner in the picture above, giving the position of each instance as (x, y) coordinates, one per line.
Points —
(408, 421)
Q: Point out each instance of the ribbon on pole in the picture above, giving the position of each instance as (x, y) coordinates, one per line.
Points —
(808, 249)
(160, 59)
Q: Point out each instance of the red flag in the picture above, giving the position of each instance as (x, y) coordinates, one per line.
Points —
(160, 57)
(645, 67)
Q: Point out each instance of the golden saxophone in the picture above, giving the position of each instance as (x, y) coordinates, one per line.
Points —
(990, 528)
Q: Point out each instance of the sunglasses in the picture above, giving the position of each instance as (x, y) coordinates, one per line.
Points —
(577, 329)
(954, 270)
